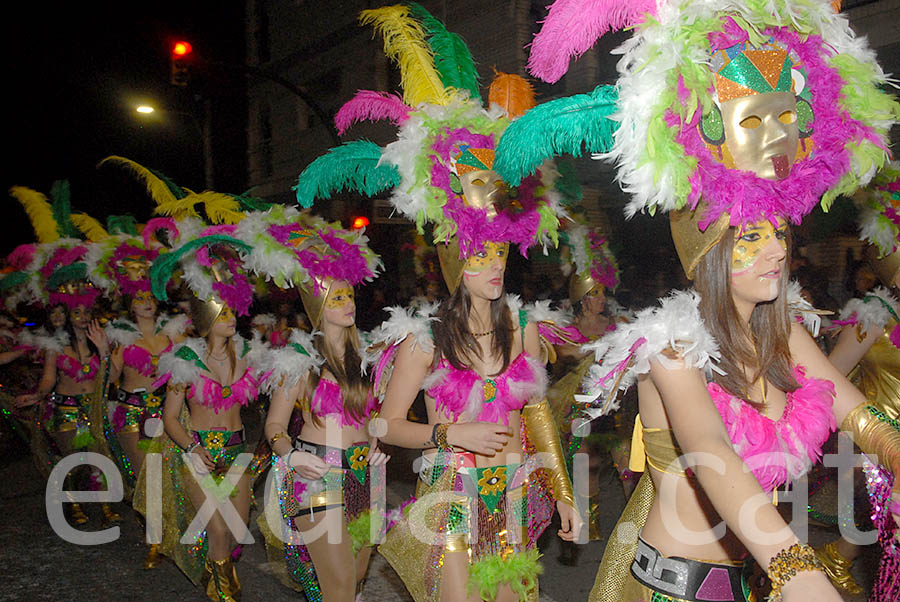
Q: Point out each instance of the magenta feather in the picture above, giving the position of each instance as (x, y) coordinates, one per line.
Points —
(369, 105)
(572, 27)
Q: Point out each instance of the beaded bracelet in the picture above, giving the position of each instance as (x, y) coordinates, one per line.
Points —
(439, 435)
(787, 563)
(276, 437)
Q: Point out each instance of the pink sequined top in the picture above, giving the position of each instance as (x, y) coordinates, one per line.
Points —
(328, 401)
(74, 369)
(486, 399)
(780, 450)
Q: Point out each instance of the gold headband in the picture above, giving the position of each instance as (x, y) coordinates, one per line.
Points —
(314, 304)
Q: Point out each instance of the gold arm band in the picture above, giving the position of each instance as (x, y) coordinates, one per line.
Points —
(876, 434)
(276, 437)
(543, 434)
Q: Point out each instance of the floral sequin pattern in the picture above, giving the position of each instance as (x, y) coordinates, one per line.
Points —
(492, 481)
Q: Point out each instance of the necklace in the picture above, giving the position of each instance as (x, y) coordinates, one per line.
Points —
(218, 359)
(482, 334)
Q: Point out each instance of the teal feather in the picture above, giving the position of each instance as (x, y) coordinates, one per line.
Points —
(121, 224)
(452, 57)
(568, 184)
(557, 127)
(61, 205)
(164, 265)
(13, 280)
(351, 166)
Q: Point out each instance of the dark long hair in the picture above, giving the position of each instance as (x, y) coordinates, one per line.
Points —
(346, 372)
(764, 346)
(70, 330)
(454, 341)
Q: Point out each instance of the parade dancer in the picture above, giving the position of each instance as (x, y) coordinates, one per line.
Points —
(209, 378)
(722, 370)
(322, 474)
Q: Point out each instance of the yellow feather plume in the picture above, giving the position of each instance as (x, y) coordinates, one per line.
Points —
(178, 208)
(220, 208)
(156, 186)
(39, 212)
(89, 226)
(404, 42)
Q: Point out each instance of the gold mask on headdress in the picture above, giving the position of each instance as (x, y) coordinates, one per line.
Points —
(135, 268)
(485, 189)
(761, 133)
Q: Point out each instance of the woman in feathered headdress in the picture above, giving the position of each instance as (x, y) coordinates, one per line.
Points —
(119, 265)
(737, 118)
(479, 355)
(75, 360)
(209, 377)
(323, 472)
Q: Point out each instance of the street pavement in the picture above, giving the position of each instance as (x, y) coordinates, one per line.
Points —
(40, 566)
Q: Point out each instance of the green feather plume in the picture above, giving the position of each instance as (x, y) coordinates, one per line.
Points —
(452, 58)
(250, 203)
(351, 166)
(121, 224)
(562, 126)
(166, 263)
(61, 203)
(568, 184)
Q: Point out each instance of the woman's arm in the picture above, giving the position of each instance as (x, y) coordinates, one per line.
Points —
(200, 457)
(116, 364)
(48, 381)
(730, 486)
(411, 365)
(307, 465)
(849, 350)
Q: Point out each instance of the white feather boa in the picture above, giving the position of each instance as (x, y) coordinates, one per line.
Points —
(289, 364)
(405, 322)
(122, 332)
(803, 309)
(44, 341)
(625, 353)
(871, 312)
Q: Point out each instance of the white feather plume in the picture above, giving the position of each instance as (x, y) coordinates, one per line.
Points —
(871, 312)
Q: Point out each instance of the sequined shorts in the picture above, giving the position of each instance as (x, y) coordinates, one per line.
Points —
(345, 484)
(134, 408)
(486, 506)
(69, 412)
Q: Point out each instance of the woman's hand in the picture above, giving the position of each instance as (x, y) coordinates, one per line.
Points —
(98, 337)
(25, 400)
(202, 460)
(376, 457)
(810, 585)
(309, 466)
(569, 522)
(484, 438)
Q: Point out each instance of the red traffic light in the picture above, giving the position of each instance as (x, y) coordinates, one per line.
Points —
(359, 222)
(181, 49)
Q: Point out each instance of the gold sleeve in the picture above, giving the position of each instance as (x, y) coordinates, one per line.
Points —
(543, 434)
(876, 434)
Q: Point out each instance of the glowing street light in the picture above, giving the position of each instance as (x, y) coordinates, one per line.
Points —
(144, 109)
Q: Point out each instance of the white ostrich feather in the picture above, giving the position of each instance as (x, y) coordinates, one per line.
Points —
(799, 306)
(122, 332)
(288, 365)
(404, 322)
(871, 311)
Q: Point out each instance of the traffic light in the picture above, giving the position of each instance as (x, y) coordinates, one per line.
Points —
(181, 55)
(359, 222)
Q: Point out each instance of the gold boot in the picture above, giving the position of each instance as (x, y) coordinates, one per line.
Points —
(153, 558)
(838, 568)
(223, 583)
(77, 514)
(109, 515)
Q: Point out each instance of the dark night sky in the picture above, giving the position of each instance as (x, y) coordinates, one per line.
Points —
(74, 73)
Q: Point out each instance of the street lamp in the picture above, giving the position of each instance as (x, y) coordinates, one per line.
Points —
(146, 111)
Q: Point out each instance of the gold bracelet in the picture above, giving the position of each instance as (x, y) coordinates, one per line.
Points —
(439, 435)
(787, 563)
(276, 437)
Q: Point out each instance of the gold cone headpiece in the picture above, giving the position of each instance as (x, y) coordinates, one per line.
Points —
(579, 286)
(452, 266)
(691, 242)
(313, 296)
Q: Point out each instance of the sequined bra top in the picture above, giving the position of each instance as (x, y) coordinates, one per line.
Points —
(77, 371)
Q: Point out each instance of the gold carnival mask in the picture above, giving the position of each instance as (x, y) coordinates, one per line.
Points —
(339, 297)
(142, 297)
(485, 189)
(135, 268)
(581, 286)
(477, 263)
(761, 133)
(750, 241)
(225, 315)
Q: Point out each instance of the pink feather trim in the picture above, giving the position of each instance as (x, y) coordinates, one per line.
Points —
(328, 401)
(219, 398)
(77, 371)
(156, 224)
(21, 256)
(572, 27)
(895, 336)
(782, 450)
(371, 106)
(514, 388)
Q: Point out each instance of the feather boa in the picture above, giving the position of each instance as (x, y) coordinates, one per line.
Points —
(873, 312)
(626, 352)
(802, 310)
(42, 340)
(780, 451)
(879, 217)
(77, 371)
(288, 364)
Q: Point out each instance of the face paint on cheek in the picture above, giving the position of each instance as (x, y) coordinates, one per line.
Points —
(339, 298)
(746, 251)
(476, 264)
(226, 315)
